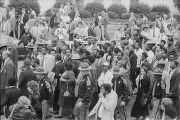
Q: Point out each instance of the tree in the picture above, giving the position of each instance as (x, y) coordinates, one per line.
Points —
(118, 9)
(19, 4)
(94, 7)
(59, 2)
(177, 4)
(140, 9)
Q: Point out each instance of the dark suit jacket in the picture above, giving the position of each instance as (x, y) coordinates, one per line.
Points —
(7, 72)
(58, 69)
(26, 76)
(133, 61)
(91, 32)
(174, 83)
(26, 18)
(11, 97)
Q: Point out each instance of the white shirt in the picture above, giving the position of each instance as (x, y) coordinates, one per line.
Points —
(139, 56)
(150, 56)
(107, 108)
(154, 33)
(105, 78)
(166, 78)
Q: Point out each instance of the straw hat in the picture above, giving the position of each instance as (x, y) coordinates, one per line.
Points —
(85, 66)
(40, 70)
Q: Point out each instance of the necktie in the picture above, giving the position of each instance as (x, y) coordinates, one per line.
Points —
(42, 62)
(153, 32)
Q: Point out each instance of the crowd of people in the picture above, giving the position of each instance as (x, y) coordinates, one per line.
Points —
(96, 75)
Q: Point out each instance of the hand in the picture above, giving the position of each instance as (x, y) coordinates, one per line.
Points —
(79, 104)
(122, 103)
(101, 95)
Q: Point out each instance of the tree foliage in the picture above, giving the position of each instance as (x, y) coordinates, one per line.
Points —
(140, 9)
(59, 2)
(94, 7)
(161, 9)
(118, 9)
(19, 4)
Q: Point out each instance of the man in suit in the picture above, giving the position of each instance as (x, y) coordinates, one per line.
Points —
(23, 21)
(174, 84)
(7, 71)
(58, 70)
(26, 76)
(11, 95)
(91, 31)
(133, 65)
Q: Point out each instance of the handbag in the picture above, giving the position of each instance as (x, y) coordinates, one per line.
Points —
(143, 101)
(67, 93)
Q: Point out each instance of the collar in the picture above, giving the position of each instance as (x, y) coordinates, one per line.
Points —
(6, 61)
(58, 62)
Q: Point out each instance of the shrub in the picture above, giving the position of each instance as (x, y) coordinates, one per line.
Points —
(151, 16)
(161, 9)
(59, 2)
(19, 4)
(140, 9)
(85, 14)
(113, 15)
(128, 15)
(94, 7)
(118, 9)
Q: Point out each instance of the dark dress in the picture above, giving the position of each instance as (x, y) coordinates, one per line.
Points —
(143, 87)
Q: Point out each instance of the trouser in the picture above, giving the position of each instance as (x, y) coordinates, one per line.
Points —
(155, 111)
(45, 109)
(2, 97)
(82, 112)
(56, 97)
(104, 32)
(176, 103)
(133, 78)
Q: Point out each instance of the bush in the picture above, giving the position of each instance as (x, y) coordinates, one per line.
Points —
(59, 2)
(140, 9)
(151, 16)
(113, 15)
(128, 15)
(118, 9)
(85, 14)
(94, 7)
(161, 9)
(19, 4)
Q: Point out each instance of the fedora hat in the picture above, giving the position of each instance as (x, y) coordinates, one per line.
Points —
(161, 62)
(30, 46)
(116, 70)
(40, 70)
(85, 66)
(157, 71)
(75, 57)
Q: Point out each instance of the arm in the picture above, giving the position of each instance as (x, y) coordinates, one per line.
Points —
(5, 99)
(176, 83)
(111, 104)
(21, 78)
